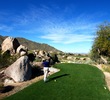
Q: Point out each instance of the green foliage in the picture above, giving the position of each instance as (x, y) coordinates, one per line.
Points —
(37, 59)
(101, 44)
(103, 40)
(6, 59)
(1, 86)
(94, 55)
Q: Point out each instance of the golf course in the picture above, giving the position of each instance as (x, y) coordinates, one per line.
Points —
(72, 82)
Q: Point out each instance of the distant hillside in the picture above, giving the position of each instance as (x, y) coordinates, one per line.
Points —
(31, 45)
(1, 39)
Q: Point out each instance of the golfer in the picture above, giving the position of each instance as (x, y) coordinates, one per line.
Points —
(46, 66)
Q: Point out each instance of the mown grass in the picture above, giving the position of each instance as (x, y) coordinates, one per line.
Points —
(73, 82)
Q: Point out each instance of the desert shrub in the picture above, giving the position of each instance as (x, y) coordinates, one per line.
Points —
(101, 45)
(54, 58)
(1, 87)
(6, 59)
(38, 59)
(106, 67)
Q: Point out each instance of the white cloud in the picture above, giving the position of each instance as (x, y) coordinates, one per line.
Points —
(6, 28)
(68, 38)
(69, 32)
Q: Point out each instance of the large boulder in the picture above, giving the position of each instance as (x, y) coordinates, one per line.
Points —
(10, 44)
(20, 70)
(22, 50)
(41, 53)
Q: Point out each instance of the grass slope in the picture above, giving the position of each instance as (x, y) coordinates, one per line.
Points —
(73, 82)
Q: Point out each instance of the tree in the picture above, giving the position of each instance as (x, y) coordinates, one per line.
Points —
(101, 45)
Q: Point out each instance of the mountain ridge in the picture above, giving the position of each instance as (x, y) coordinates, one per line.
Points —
(31, 45)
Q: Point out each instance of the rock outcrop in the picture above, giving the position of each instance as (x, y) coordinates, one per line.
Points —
(41, 53)
(20, 70)
(10, 44)
(22, 50)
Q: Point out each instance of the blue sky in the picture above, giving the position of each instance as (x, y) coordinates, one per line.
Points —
(68, 25)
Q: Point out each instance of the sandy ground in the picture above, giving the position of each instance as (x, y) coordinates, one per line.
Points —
(20, 86)
(107, 76)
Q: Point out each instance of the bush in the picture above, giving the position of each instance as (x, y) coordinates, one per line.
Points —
(1, 87)
(6, 59)
(54, 58)
(106, 68)
(101, 45)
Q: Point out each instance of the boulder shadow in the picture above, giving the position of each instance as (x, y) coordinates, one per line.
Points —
(36, 71)
(7, 89)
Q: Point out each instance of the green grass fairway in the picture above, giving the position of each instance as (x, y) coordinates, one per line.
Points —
(73, 82)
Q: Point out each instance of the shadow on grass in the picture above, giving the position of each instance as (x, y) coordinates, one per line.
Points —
(56, 77)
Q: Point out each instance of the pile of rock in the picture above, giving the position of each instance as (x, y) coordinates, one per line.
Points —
(13, 46)
(21, 69)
